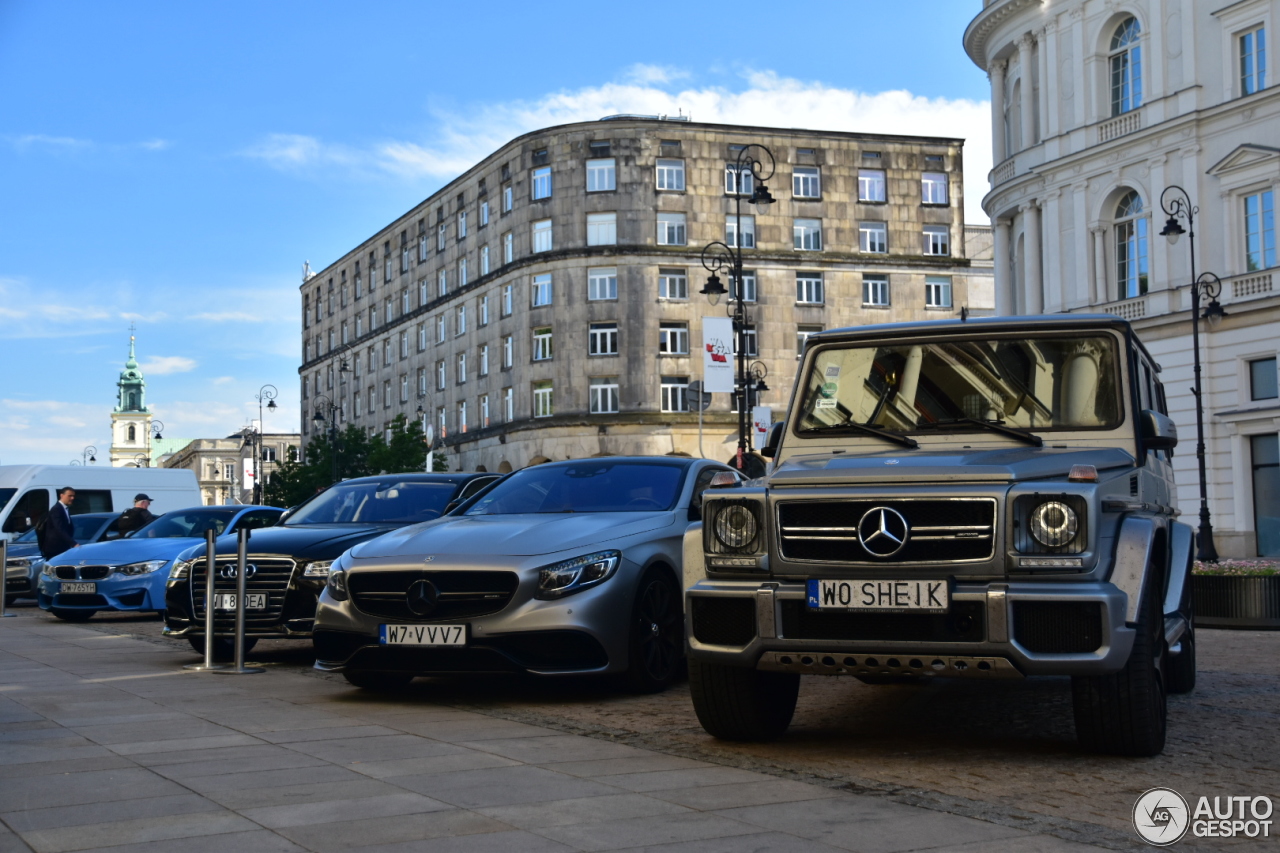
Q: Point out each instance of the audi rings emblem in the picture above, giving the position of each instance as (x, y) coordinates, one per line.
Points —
(882, 531)
(421, 597)
(229, 571)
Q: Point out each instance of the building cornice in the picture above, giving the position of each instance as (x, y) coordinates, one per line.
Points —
(982, 26)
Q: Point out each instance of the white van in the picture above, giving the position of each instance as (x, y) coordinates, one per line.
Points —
(28, 491)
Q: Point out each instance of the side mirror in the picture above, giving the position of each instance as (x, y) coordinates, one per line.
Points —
(1158, 431)
(771, 443)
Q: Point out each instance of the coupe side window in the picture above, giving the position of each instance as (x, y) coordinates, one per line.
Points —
(474, 486)
(258, 520)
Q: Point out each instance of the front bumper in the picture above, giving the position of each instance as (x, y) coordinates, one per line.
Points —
(997, 630)
(114, 592)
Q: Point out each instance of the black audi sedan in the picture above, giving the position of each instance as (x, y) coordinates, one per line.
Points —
(288, 564)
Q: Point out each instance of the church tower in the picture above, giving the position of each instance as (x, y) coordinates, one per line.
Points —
(131, 418)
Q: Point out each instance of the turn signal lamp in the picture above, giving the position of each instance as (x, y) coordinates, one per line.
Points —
(1083, 474)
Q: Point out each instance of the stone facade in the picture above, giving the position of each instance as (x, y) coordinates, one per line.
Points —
(1098, 107)
(218, 464)
(592, 252)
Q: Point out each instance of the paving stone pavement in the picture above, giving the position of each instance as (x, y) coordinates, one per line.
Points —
(107, 744)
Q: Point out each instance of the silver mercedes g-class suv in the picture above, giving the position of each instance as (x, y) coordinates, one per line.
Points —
(987, 499)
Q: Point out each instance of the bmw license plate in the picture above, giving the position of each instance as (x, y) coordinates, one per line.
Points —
(422, 635)
(227, 601)
(77, 587)
(883, 596)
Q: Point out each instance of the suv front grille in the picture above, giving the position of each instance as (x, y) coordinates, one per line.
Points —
(964, 624)
(723, 621)
(939, 530)
(460, 594)
(270, 575)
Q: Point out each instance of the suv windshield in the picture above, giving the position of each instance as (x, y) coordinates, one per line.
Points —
(385, 502)
(965, 384)
(187, 523)
(590, 486)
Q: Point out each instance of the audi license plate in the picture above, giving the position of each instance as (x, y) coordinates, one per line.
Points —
(77, 587)
(422, 635)
(227, 601)
(883, 596)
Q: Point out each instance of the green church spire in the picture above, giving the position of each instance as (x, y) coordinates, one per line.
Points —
(132, 388)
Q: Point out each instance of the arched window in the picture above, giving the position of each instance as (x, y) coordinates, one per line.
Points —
(1132, 265)
(1126, 67)
(133, 433)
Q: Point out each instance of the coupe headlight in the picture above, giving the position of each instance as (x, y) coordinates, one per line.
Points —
(336, 585)
(736, 526)
(1054, 524)
(48, 571)
(317, 569)
(570, 576)
(146, 567)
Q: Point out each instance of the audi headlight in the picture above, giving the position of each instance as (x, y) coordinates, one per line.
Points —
(145, 567)
(181, 570)
(317, 569)
(570, 576)
(336, 584)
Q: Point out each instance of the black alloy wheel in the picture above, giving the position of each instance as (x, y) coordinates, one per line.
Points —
(657, 634)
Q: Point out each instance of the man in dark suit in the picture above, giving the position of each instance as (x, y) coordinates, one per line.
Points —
(59, 533)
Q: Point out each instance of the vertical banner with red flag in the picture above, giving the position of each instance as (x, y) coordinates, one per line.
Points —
(717, 355)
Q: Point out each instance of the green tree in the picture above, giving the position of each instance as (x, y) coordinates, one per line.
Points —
(405, 450)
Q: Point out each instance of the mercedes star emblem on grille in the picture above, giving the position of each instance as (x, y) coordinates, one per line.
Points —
(229, 571)
(421, 597)
(882, 531)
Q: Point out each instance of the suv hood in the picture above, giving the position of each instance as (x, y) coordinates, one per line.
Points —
(523, 535)
(1002, 465)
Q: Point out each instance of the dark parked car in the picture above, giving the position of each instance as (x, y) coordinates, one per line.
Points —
(23, 561)
(289, 563)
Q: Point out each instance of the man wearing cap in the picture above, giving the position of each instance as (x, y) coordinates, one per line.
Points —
(137, 516)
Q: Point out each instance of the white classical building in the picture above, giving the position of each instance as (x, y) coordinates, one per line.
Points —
(1098, 107)
(131, 418)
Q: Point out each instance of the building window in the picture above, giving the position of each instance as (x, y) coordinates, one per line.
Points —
(484, 310)
(358, 325)
(603, 339)
(462, 224)
(738, 180)
(1266, 492)
(1132, 271)
(508, 351)
(541, 290)
(423, 296)
(601, 175)
(806, 182)
(540, 183)
(460, 322)
(441, 324)
(1262, 379)
(404, 345)
(543, 406)
(1126, 67)
(802, 335)
(508, 248)
(937, 291)
(386, 394)
(484, 213)
(442, 422)
(604, 395)
(441, 235)
(404, 257)
(1253, 61)
(462, 272)
(344, 332)
(373, 403)
(809, 288)
(748, 293)
(675, 393)
(875, 290)
(442, 283)
(484, 410)
(871, 184)
(508, 404)
(673, 338)
(937, 240)
(673, 284)
(873, 237)
(404, 387)
(462, 368)
(1259, 231)
(807, 234)
(933, 188)
(750, 341)
(386, 254)
(355, 409)
(484, 260)
(386, 351)
(422, 383)
(404, 301)
(462, 416)
(602, 229)
(484, 360)
(508, 198)
(542, 350)
(602, 283)
(440, 376)
(359, 291)
(671, 229)
(508, 299)
(746, 225)
(542, 235)
(671, 175)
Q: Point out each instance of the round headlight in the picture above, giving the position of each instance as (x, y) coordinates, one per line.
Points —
(736, 526)
(1054, 524)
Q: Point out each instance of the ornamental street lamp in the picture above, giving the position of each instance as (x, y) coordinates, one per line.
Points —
(717, 256)
(1178, 206)
(157, 428)
(88, 455)
(319, 419)
(268, 393)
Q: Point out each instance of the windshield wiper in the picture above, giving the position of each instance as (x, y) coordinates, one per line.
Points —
(865, 429)
(994, 426)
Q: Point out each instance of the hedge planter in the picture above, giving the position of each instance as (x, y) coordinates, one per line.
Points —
(1236, 601)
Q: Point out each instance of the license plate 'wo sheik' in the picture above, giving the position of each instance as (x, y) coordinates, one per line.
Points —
(883, 596)
(423, 635)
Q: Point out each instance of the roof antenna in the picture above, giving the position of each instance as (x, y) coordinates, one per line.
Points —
(964, 313)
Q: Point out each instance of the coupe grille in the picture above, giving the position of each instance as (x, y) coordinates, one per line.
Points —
(457, 594)
(82, 573)
(964, 624)
(938, 530)
(270, 575)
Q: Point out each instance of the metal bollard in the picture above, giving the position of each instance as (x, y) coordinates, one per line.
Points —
(210, 568)
(241, 563)
(4, 573)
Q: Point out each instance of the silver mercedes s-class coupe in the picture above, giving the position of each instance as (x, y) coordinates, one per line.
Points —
(563, 568)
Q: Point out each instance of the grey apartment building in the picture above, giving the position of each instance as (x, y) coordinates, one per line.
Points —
(545, 305)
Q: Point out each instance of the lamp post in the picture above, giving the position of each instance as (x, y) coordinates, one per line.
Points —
(268, 393)
(157, 428)
(319, 418)
(1176, 204)
(141, 460)
(718, 255)
(88, 455)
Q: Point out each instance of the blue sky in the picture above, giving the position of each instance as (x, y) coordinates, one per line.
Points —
(172, 165)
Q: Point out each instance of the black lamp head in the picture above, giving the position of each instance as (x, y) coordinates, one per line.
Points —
(1172, 230)
(762, 198)
(714, 289)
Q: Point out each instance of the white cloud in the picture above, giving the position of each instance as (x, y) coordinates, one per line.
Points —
(162, 365)
(461, 138)
(40, 140)
(232, 317)
(155, 144)
(224, 380)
